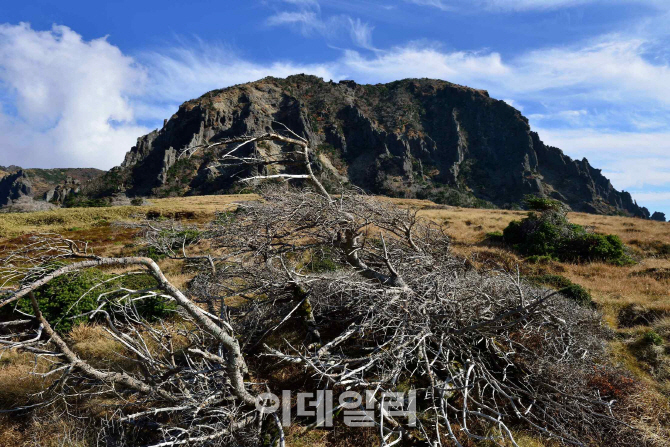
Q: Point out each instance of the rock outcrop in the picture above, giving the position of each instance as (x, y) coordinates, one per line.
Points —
(38, 189)
(412, 138)
(58, 194)
(16, 192)
(15, 186)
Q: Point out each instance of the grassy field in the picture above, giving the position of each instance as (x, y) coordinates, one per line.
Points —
(633, 299)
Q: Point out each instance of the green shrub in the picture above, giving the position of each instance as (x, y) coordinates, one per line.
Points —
(137, 201)
(544, 241)
(62, 297)
(455, 197)
(74, 294)
(591, 246)
(550, 234)
(495, 236)
(535, 259)
(512, 234)
(181, 237)
(571, 290)
(82, 201)
(153, 308)
(536, 203)
(322, 261)
(152, 253)
(652, 338)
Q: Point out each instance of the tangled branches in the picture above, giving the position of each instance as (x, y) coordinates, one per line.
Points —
(484, 349)
(190, 368)
(381, 305)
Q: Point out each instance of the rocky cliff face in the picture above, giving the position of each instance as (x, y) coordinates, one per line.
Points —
(13, 187)
(37, 189)
(412, 138)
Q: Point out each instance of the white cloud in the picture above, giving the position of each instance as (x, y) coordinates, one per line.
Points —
(73, 103)
(655, 197)
(361, 33)
(188, 71)
(439, 4)
(417, 60)
(309, 3)
(70, 98)
(628, 159)
(574, 117)
(632, 161)
(308, 19)
(610, 68)
(526, 5)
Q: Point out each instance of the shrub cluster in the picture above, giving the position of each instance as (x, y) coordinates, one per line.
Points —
(152, 252)
(65, 298)
(543, 204)
(571, 290)
(546, 231)
(652, 338)
(83, 201)
(322, 261)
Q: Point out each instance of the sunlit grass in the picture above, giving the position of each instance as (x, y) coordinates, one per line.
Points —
(612, 287)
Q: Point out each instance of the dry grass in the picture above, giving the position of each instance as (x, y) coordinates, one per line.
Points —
(50, 430)
(612, 287)
(94, 344)
(78, 219)
(644, 285)
(18, 379)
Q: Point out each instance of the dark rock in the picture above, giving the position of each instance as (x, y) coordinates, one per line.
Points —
(13, 187)
(410, 138)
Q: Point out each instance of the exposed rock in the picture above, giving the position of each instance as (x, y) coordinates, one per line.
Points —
(120, 200)
(659, 216)
(60, 192)
(13, 187)
(48, 185)
(26, 204)
(412, 138)
(169, 159)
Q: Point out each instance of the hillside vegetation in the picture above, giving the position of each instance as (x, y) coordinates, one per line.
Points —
(633, 297)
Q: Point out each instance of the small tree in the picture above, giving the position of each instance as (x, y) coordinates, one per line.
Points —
(546, 231)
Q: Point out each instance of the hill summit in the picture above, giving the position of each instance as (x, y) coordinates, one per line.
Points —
(420, 138)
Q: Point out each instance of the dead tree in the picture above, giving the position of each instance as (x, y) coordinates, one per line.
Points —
(383, 306)
(201, 380)
(484, 349)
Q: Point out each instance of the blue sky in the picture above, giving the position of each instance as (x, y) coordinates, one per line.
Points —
(80, 81)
